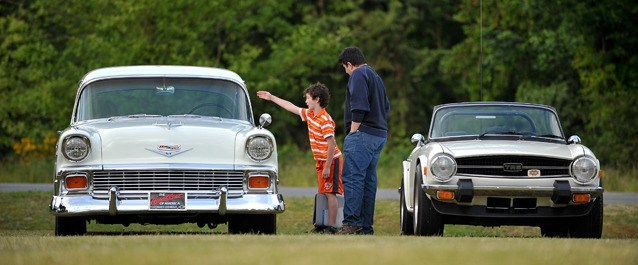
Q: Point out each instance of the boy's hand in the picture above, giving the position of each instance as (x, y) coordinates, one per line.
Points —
(264, 95)
(326, 172)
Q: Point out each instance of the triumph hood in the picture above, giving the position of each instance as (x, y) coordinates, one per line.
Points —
(174, 141)
(505, 147)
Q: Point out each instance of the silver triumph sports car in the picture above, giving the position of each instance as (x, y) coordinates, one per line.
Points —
(500, 163)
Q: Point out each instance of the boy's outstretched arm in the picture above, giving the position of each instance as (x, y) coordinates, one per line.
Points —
(281, 102)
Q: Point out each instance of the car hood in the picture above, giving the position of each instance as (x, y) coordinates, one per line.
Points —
(473, 148)
(171, 141)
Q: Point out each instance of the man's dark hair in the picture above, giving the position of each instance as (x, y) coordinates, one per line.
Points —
(319, 90)
(352, 55)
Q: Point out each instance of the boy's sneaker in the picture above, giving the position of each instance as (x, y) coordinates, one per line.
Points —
(349, 230)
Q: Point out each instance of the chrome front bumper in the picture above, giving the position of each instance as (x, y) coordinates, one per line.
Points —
(86, 205)
(560, 192)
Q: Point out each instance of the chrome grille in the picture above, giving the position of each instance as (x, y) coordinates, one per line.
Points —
(141, 181)
(495, 166)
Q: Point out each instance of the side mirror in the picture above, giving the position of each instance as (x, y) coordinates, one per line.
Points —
(417, 139)
(264, 120)
(574, 139)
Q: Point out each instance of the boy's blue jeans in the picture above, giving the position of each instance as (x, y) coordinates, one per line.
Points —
(361, 155)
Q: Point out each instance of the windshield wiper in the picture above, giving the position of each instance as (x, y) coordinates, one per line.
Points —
(500, 133)
(144, 116)
(549, 136)
(185, 116)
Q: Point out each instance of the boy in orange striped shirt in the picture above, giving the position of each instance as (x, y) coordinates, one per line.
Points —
(321, 129)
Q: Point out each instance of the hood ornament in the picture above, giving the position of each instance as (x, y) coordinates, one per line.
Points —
(168, 125)
(168, 150)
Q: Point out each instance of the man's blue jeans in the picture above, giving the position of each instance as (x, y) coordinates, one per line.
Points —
(361, 155)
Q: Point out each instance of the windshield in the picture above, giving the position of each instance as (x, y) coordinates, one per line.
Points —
(480, 120)
(163, 97)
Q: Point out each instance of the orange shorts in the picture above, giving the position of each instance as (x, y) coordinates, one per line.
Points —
(333, 184)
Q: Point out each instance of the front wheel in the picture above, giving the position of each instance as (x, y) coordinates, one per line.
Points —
(427, 221)
(590, 225)
(406, 218)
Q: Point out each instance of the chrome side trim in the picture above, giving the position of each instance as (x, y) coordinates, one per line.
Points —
(169, 167)
(78, 169)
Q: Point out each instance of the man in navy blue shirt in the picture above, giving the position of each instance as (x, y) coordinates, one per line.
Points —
(366, 123)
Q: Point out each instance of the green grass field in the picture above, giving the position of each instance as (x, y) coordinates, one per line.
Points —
(26, 237)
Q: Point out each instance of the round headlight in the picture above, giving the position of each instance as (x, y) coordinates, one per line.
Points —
(584, 169)
(259, 148)
(443, 167)
(75, 148)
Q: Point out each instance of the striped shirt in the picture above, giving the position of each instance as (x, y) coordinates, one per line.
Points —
(320, 127)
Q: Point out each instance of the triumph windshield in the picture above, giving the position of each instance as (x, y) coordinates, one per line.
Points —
(502, 120)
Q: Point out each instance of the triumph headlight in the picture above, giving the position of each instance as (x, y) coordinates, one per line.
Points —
(443, 167)
(584, 169)
(259, 148)
(75, 148)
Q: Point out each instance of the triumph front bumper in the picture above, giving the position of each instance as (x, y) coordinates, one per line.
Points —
(465, 190)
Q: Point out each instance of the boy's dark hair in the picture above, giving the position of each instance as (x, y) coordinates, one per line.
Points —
(352, 55)
(319, 90)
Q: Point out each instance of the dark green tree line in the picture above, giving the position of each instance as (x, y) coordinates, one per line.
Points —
(579, 56)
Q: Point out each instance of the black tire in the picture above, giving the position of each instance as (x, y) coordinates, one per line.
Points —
(554, 230)
(70, 226)
(406, 217)
(427, 221)
(590, 225)
(253, 224)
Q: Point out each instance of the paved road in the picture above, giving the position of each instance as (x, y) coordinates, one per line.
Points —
(610, 197)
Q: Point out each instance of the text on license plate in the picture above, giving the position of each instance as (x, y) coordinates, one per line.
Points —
(167, 201)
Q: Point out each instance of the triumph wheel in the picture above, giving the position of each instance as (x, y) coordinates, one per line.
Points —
(590, 225)
(427, 221)
(406, 218)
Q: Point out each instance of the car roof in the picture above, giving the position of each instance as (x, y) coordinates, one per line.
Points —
(160, 70)
(493, 103)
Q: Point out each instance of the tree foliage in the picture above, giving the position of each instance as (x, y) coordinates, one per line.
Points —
(578, 56)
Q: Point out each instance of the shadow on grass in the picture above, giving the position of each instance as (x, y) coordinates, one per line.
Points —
(152, 233)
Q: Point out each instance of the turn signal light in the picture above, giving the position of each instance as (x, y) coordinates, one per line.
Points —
(445, 195)
(425, 171)
(581, 198)
(76, 182)
(258, 182)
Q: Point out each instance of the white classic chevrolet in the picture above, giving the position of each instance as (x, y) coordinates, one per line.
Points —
(165, 145)
(500, 163)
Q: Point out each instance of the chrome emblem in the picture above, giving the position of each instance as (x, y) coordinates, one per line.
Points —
(533, 173)
(512, 167)
(168, 150)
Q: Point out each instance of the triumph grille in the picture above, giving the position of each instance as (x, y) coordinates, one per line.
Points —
(512, 166)
(145, 181)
